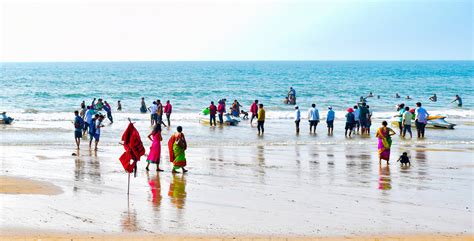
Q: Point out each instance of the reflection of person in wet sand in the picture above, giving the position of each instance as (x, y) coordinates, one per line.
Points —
(384, 178)
(155, 188)
(129, 221)
(177, 192)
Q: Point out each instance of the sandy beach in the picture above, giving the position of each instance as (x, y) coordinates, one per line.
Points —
(268, 190)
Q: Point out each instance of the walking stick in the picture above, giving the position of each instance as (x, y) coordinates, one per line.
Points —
(128, 189)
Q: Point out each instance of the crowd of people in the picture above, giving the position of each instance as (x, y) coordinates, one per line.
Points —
(358, 119)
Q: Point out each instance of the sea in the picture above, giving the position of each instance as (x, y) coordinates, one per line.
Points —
(42, 96)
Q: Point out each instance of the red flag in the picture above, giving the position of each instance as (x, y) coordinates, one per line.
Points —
(133, 148)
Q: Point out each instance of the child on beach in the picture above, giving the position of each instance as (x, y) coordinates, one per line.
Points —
(98, 127)
(245, 115)
(404, 159)
(350, 121)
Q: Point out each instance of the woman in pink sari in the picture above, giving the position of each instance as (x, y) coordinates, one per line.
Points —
(384, 134)
(155, 149)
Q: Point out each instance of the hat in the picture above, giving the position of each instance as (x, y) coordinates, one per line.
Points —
(350, 110)
(330, 107)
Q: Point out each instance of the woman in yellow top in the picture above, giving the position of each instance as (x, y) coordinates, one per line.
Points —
(260, 118)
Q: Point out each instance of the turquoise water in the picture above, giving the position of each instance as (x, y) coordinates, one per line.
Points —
(60, 87)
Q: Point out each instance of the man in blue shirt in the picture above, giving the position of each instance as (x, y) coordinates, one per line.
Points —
(421, 118)
(330, 120)
(78, 126)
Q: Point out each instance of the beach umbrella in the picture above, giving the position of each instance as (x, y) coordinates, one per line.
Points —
(134, 149)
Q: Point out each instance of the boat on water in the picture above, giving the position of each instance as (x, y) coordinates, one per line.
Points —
(437, 122)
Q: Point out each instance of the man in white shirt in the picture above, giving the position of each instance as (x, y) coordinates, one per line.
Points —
(421, 118)
(154, 116)
(313, 117)
(89, 115)
(297, 119)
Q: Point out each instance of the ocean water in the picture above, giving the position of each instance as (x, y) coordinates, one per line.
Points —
(42, 96)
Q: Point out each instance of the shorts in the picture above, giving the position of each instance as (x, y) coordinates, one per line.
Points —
(86, 125)
(313, 123)
(78, 134)
(154, 117)
(350, 126)
(330, 123)
(97, 137)
(364, 123)
(357, 123)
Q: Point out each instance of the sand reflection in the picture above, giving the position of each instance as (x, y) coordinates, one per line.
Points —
(155, 189)
(385, 181)
(177, 191)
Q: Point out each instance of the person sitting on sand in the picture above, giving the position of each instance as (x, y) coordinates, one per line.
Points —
(433, 98)
(384, 134)
(177, 146)
(404, 159)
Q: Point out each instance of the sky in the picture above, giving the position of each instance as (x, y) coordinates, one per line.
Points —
(208, 30)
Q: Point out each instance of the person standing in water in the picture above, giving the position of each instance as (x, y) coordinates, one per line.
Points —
(108, 110)
(89, 119)
(254, 110)
(153, 116)
(221, 110)
(330, 120)
(369, 122)
(297, 119)
(313, 118)
(159, 113)
(212, 114)
(177, 146)
(261, 119)
(119, 106)
(401, 111)
(434, 98)
(155, 149)
(364, 118)
(78, 126)
(421, 118)
(92, 129)
(407, 122)
(357, 118)
(350, 121)
(459, 100)
(384, 134)
(82, 113)
(168, 110)
(143, 108)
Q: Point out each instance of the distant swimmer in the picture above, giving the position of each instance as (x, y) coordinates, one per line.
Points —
(362, 100)
(459, 100)
(378, 96)
(408, 97)
(434, 98)
(397, 95)
(370, 95)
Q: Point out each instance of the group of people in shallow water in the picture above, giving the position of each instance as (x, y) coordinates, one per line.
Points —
(358, 119)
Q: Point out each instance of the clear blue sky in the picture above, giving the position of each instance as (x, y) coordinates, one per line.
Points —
(72, 30)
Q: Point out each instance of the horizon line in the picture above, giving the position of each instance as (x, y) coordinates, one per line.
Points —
(289, 60)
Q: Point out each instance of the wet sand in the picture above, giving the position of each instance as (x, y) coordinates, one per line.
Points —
(326, 191)
(13, 185)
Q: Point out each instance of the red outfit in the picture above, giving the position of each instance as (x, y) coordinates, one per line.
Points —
(254, 108)
(212, 110)
(168, 108)
(221, 108)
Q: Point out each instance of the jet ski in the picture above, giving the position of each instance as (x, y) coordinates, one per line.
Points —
(228, 120)
(437, 122)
